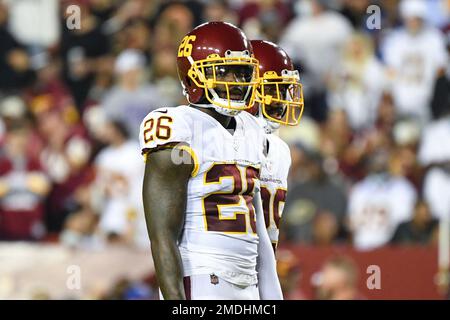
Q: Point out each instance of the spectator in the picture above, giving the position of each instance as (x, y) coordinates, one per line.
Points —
(264, 19)
(23, 186)
(361, 147)
(380, 202)
(132, 98)
(119, 169)
(173, 21)
(406, 136)
(15, 65)
(219, 10)
(49, 91)
(434, 154)
(338, 280)
(314, 41)
(306, 134)
(164, 78)
(356, 84)
(438, 13)
(414, 54)
(422, 229)
(126, 289)
(82, 51)
(13, 108)
(325, 229)
(316, 38)
(65, 157)
(355, 12)
(290, 275)
(441, 94)
(103, 9)
(136, 35)
(80, 225)
(79, 230)
(127, 12)
(140, 291)
(38, 33)
(436, 190)
(316, 193)
(336, 134)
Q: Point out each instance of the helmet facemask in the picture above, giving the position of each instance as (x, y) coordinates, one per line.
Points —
(229, 83)
(281, 97)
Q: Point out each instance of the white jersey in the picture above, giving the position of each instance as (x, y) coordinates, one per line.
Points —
(436, 189)
(377, 205)
(219, 234)
(274, 174)
(415, 59)
(435, 144)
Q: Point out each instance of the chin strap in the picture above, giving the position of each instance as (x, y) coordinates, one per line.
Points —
(271, 126)
(268, 126)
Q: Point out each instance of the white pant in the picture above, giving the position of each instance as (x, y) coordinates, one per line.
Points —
(208, 287)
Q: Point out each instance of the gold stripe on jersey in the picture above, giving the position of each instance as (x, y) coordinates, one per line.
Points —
(194, 157)
(177, 146)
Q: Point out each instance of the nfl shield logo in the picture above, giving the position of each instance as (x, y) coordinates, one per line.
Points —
(214, 279)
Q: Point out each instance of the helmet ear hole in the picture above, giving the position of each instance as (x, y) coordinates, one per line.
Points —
(188, 81)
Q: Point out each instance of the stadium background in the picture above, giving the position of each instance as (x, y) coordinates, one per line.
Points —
(369, 184)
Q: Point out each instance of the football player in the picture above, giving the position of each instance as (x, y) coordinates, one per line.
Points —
(202, 176)
(279, 101)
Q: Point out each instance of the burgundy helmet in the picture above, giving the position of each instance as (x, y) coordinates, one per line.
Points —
(208, 53)
(279, 94)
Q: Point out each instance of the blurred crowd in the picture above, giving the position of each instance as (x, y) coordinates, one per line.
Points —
(371, 156)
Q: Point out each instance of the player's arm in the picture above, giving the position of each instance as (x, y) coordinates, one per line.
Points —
(164, 196)
(268, 282)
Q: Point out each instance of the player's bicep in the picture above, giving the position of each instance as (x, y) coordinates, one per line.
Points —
(164, 193)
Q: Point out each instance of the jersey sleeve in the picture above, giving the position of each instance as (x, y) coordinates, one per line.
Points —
(163, 128)
(273, 193)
